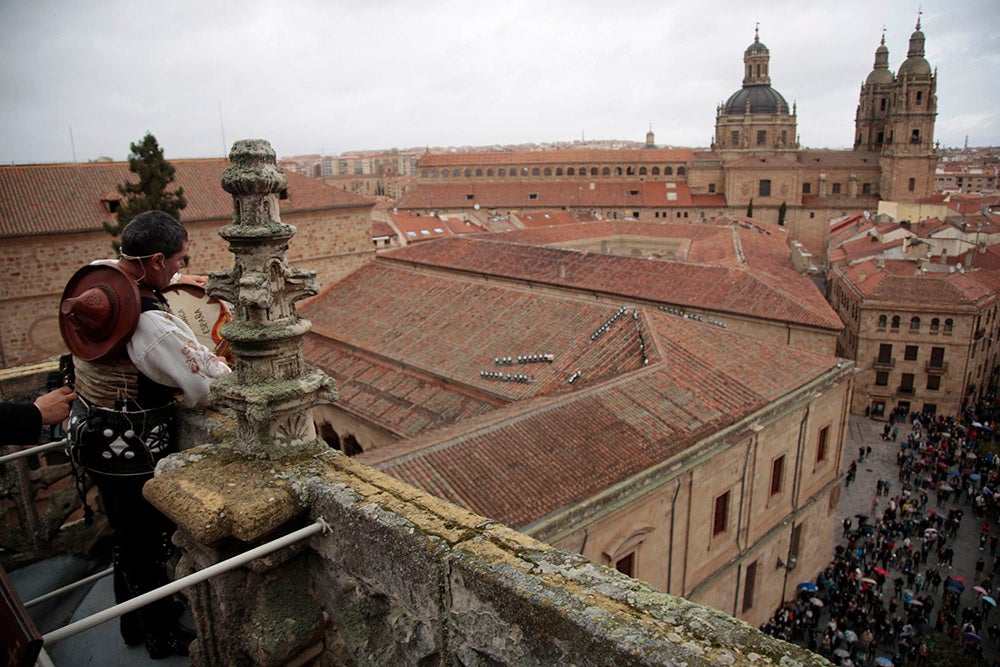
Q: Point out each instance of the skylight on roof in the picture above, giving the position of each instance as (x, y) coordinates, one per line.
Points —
(438, 230)
(412, 235)
(425, 232)
(671, 196)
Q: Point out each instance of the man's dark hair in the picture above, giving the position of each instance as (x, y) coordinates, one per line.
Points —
(152, 232)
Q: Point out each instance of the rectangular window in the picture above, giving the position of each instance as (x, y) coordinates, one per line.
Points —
(721, 515)
(532, 195)
(711, 188)
(933, 382)
(866, 189)
(885, 353)
(796, 541)
(734, 138)
(910, 352)
(906, 383)
(821, 444)
(626, 564)
(765, 187)
(881, 378)
(836, 188)
(937, 357)
(806, 188)
(749, 584)
(761, 137)
(784, 137)
(777, 474)
(913, 185)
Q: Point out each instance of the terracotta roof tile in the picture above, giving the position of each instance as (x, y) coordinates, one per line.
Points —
(522, 462)
(557, 157)
(59, 198)
(758, 281)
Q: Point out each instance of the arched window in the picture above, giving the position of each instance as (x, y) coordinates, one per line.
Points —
(935, 325)
(593, 171)
(524, 171)
(434, 174)
(547, 171)
(656, 171)
(681, 171)
(468, 173)
(501, 172)
(536, 172)
(445, 173)
(571, 172)
(949, 324)
(606, 171)
(895, 321)
(668, 171)
(423, 173)
(329, 435)
(914, 324)
(489, 172)
(618, 171)
(559, 171)
(479, 172)
(351, 446)
(642, 171)
(883, 321)
(630, 171)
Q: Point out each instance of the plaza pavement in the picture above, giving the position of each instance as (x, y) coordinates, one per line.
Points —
(865, 432)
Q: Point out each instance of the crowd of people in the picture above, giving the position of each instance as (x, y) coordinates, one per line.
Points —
(892, 588)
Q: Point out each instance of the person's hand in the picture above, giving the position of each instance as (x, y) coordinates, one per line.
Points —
(54, 405)
(187, 279)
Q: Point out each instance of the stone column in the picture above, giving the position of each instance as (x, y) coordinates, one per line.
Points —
(232, 495)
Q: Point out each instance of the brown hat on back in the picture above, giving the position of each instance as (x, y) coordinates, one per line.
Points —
(99, 311)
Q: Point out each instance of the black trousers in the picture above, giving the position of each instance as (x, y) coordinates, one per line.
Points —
(141, 544)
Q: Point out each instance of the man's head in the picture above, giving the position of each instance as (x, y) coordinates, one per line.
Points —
(159, 243)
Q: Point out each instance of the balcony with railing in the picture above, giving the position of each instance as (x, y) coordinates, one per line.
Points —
(883, 363)
(936, 367)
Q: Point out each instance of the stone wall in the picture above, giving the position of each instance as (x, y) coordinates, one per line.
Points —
(402, 577)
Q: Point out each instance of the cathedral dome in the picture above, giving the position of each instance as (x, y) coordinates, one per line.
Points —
(763, 99)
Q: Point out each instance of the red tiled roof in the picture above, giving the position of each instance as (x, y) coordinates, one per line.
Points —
(60, 198)
(380, 229)
(898, 281)
(758, 281)
(557, 157)
(548, 218)
(523, 462)
(548, 194)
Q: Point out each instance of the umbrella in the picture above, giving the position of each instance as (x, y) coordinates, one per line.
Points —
(990, 601)
(880, 571)
(977, 424)
(916, 603)
(973, 636)
(958, 578)
(883, 662)
(942, 464)
(863, 517)
(975, 477)
(850, 636)
(843, 653)
(866, 580)
(980, 589)
(808, 586)
(954, 473)
(945, 487)
(971, 455)
(816, 602)
(955, 586)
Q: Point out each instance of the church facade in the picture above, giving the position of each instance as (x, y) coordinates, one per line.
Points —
(755, 161)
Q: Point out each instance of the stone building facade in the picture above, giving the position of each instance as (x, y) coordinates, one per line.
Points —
(755, 156)
(924, 340)
(50, 223)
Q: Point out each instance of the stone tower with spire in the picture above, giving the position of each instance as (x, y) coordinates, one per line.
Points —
(896, 117)
(756, 117)
(872, 119)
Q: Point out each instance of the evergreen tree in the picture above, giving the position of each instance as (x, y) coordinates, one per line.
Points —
(750, 208)
(782, 210)
(148, 194)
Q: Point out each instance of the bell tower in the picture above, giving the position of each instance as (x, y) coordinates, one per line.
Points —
(872, 119)
(908, 157)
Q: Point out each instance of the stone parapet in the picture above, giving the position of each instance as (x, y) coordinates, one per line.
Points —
(403, 577)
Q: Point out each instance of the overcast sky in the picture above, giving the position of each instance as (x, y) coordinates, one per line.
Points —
(83, 79)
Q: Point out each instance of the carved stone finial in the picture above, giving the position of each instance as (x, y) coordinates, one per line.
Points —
(271, 391)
